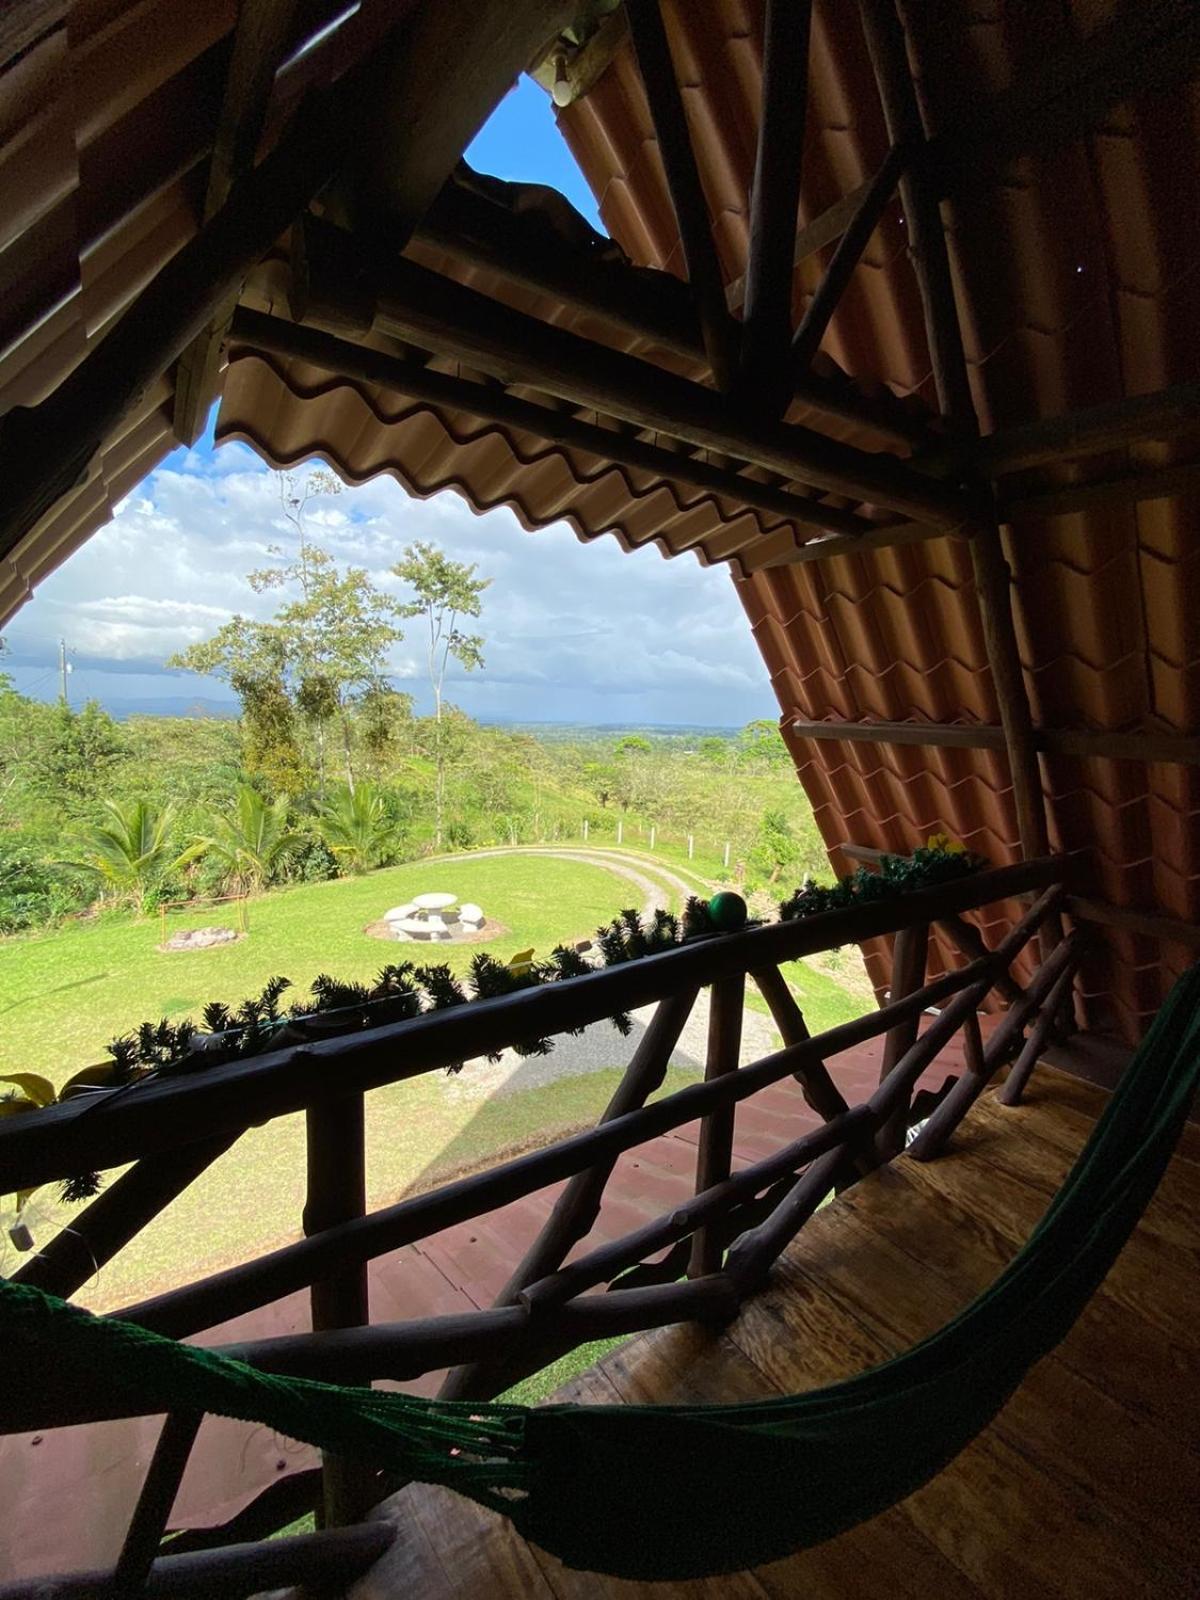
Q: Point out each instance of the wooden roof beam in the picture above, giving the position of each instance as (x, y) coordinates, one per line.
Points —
(1127, 488)
(639, 301)
(765, 556)
(264, 30)
(657, 68)
(490, 403)
(409, 302)
(1148, 746)
(774, 201)
(1138, 419)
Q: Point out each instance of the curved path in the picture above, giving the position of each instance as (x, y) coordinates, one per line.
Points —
(622, 864)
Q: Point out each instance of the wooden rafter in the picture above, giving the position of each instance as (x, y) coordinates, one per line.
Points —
(48, 449)
(767, 554)
(1061, 99)
(1138, 419)
(1128, 488)
(657, 68)
(1143, 49)
(846, 257)
(436, 313)
(1148, 746)
(263, 30)
(490, 403)
(774, 199)
(638, 301)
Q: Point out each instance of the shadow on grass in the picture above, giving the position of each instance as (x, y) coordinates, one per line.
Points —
(59, 988)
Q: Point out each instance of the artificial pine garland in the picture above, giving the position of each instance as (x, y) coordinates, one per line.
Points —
(933, 863)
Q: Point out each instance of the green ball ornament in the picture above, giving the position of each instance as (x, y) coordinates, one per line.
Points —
(727, 911)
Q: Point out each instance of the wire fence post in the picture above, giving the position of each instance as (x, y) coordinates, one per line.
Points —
(653, 831)
(585, 830)
(725, 860)
(691, 846)
(620, 829)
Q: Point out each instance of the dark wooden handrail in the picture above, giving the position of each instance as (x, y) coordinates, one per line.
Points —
(168, 1112)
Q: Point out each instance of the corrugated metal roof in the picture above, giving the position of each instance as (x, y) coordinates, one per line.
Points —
(1076, 272)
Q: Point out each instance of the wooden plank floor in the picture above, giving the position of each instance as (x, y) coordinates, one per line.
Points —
(1088, 1484)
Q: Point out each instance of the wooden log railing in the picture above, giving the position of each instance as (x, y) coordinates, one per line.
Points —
(719, 1245)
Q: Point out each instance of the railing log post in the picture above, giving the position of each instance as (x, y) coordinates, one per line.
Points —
(577, 1207)
(817, 1087)
(161, 1485)
(337, 1193)
(908, 975)
(1056, 1006)
(726, 1000)
(943, 1122)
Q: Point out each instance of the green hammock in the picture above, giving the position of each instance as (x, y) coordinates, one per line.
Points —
(672, 1492)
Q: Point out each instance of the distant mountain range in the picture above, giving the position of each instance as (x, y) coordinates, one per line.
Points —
(168, 706)
(198, 706)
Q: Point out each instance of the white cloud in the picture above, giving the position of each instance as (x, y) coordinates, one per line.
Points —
(572, 630)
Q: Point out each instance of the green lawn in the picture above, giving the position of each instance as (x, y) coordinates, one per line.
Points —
(65, 994)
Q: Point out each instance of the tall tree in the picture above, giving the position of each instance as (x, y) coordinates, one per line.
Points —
(444, 592)
(323, 653)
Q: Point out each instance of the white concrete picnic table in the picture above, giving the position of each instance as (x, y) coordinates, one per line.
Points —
(434, 902)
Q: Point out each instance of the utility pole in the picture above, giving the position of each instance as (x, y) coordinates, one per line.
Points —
(63, 669)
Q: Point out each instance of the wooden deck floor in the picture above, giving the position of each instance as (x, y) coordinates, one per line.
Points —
(1088, 1484)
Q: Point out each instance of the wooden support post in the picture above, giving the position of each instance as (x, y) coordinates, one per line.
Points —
(908, 974)
(941, 1125)
(922, 213)
(149, 1522)
(993, 591)
(927, 241)
(774, 201)
(1019, 1074)
(683, 181)
(577, 1207)
(726, 1000)
(817, 1087)
(337, 1193)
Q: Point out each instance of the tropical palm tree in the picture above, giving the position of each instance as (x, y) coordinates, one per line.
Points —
(129, 851)
(358, 826)
(250, 844)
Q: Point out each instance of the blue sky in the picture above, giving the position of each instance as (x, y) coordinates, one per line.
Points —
(574, 633)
